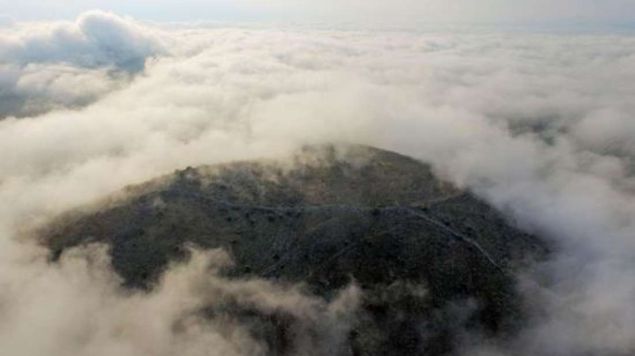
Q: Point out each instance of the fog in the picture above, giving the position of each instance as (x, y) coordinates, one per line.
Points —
(539, 125)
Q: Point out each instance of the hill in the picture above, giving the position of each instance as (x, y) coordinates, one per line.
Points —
(329, 216)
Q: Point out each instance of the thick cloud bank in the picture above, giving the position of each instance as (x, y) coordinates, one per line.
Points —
(63, 65)
(540, 125)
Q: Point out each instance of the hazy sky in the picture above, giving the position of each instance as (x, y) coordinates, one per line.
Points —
(367, 11)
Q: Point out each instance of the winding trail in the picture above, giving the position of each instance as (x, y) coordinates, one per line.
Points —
(412, 210)
(454, 233)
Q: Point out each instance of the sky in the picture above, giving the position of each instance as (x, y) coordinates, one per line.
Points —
(395, 12)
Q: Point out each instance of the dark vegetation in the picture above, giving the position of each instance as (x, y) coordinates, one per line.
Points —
(432, 261)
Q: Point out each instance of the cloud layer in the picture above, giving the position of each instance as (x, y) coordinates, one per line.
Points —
(540, 125)
(47, 66)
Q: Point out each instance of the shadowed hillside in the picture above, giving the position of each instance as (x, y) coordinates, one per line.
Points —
(431, 260)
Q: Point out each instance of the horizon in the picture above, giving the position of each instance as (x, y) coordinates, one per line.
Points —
(408, 14)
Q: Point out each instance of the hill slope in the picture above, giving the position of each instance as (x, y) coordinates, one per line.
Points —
(329, 216)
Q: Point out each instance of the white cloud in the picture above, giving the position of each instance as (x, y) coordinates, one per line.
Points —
(65, 64)
(78, 308)
(96, 39)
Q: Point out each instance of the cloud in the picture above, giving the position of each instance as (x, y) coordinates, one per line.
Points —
(6, 20)
(524, 120)
(96, 39)
(68, 65)
(78, 308)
